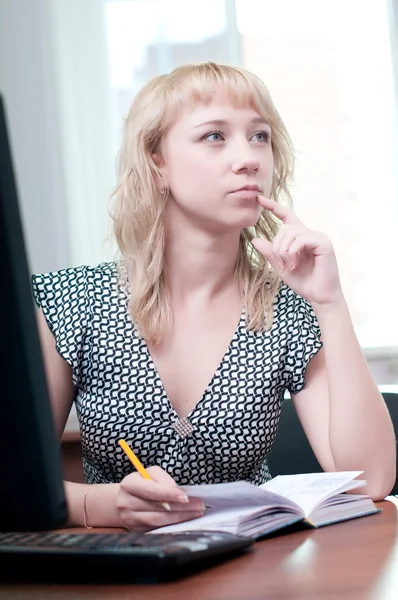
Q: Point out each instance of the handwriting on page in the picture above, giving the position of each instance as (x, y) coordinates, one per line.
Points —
(312, 483)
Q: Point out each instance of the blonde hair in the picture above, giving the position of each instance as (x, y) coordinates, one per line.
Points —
(141, 193)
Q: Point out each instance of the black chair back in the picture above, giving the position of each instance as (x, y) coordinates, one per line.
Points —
(292, 452)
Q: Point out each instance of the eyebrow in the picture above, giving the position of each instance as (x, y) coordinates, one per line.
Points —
(221, 122)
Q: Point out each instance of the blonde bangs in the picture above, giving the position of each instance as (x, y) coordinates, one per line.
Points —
(141, 193)
(197, 84)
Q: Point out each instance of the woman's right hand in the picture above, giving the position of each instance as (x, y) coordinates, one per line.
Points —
(139, 502)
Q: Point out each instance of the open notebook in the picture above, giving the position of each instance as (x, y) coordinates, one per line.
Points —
(315, 499)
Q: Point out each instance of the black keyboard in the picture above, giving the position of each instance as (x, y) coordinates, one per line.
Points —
(111, 557)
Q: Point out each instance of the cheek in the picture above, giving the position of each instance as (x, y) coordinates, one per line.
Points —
(269, 164)
(188, 172)
(269, 172)
(268, 182)
(183, 179)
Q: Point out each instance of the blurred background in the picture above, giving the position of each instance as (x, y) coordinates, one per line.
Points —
(69, 70)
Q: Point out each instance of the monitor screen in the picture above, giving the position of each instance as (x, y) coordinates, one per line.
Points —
(31, 489)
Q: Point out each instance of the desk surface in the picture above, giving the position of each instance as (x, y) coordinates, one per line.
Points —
(357, 559)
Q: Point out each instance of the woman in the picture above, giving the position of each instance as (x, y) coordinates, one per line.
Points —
(221, 301)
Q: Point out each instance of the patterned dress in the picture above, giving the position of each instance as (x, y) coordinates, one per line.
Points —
(119, 393)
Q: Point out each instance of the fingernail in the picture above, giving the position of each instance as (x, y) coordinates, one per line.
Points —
(182, 498)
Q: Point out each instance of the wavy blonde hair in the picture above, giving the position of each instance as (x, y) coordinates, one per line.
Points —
(141, 193)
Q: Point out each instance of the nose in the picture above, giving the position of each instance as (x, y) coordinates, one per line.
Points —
(245, 160)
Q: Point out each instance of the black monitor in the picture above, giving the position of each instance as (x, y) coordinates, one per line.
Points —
(31, 488)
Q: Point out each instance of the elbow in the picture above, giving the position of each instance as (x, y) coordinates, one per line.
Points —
(381, 485)
(382, 477)
(379, 493)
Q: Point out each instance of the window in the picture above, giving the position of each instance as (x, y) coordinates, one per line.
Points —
(328, 65)
(331, 78)
(148, 37)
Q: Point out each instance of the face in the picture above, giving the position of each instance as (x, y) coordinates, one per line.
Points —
(216, 158)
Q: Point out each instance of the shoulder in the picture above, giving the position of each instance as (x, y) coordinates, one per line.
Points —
(286, 298)
(104, 274)
(285, 301)
(78, 275)
(74, 282)
(293, 308)
(106, 284)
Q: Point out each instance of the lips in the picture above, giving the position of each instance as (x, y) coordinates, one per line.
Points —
(247, 192)
(248, 188)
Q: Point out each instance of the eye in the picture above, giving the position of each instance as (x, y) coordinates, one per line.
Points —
(262, 136)
(214, 136)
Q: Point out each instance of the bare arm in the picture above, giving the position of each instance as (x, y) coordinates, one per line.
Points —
(134, 503)
(62, 392)
(58, 375)
(341, 408)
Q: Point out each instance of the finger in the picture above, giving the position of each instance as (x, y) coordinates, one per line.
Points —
(294, 260)
(135, 485)
(161, 476)
(281, 212)
(282, 245)
(194, 505)
(141, 505)
(305, 243)
(265, 247)
(145, 521)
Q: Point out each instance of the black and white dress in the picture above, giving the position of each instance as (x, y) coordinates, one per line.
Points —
(119, 394)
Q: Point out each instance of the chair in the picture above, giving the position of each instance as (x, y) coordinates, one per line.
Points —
(292, 452)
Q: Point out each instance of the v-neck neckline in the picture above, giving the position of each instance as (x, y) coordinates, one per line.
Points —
(123, 283)
(159, 383)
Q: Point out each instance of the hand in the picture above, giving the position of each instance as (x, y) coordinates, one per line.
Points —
(304, 259)
(139, 501)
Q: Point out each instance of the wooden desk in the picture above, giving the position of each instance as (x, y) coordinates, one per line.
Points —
(353, 560)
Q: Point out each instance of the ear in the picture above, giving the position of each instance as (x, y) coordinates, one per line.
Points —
(158, 160)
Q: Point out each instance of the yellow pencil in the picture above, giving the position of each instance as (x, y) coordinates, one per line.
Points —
(140, 468)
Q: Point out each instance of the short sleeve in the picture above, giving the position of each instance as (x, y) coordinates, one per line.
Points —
(305, 342)
(62, 296)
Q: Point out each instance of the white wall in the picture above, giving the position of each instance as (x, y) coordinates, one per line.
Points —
(54, 78)
(79, 39)
(52, 54)
(27, 83)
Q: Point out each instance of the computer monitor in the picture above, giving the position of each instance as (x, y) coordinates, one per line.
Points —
(31, 487)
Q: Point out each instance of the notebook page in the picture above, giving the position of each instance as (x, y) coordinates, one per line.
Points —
(214, 520)
(308, 490)
(235, 494)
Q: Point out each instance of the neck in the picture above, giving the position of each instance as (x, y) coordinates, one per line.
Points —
(198, 263)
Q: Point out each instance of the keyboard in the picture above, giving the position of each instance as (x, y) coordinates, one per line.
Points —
(122, 557)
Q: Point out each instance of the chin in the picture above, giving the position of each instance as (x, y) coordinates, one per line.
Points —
(250, 219)
(239, 225)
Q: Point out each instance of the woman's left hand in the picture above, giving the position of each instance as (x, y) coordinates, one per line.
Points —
(304, 259)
